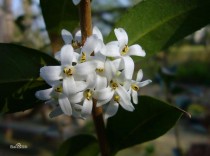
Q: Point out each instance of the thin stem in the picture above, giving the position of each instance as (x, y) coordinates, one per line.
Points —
(97, 113)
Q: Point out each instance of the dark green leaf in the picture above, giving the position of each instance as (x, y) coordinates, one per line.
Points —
(156, 24)
(19, 78)
(80, 145)
(58, 15)
(151, 119)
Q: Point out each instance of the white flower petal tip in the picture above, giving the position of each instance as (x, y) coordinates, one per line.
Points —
(97, 32)
(136, 50)
(122, 36)
(76, 2)
(67, 36)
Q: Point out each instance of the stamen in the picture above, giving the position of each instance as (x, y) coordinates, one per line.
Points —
(59, 89)
(117, 98)
(68, 71)
(88, 94)
(135, 87)
(125, 50)
(100, 70)
(114, 85)
(83, 57)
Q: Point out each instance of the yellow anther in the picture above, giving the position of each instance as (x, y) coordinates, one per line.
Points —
(135, 87)
(83, 57)
(117, 98)
(88, 94)
(100, 69)
(68, 71)
(114, 85)
(125, 50)
(59, 89)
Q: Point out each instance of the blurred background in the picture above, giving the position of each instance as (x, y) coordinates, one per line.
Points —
(180, 74)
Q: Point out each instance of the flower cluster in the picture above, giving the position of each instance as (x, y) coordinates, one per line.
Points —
(95, 72)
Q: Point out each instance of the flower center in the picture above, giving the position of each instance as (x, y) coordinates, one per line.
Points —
(59, 89)
(125, 50)
(117, 98)
(75, 44)
(88, 94)
(83, 57)
(100, 70)
(135, 87)
(114, 85)
(68, 71)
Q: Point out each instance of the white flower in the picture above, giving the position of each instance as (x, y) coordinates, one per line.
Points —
(55, 95)
(120, 49)
(116, 94)
(134, 86)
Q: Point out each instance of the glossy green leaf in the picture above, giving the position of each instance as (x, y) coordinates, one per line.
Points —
(58, 15)
(80, 145)
(19, 78)
(150, 119)
(156, 24)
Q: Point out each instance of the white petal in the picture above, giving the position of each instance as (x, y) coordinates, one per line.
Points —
(91, 80)
(97, 32)
(76, 56)
(56, 112)
(111, 50)
(67, 36)
(102, 102)
(51, 73)
(134, 96)
(128, 67)
(76, 98)
(139, 75)
(58, 55)
(44, 94)
(111, 110)
(144, 83)
(85, 68)
(90, 44)
(136, 50)
(110, 70)
(87, 108)
(76, 2)
(101, 82)
(103, 94)
(124, 98)
(78, 36)
(69, 86)
(81, 85)
(116, 63)
(67, 55)
(122, 36)
(65, 104)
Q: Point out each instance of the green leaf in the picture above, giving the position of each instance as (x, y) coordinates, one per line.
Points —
(156, 24)
(150, 119)
(79, 145)
(58, 15)
(19, 78)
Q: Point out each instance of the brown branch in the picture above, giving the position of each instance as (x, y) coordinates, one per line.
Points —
(97, 114)
(85, 19)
